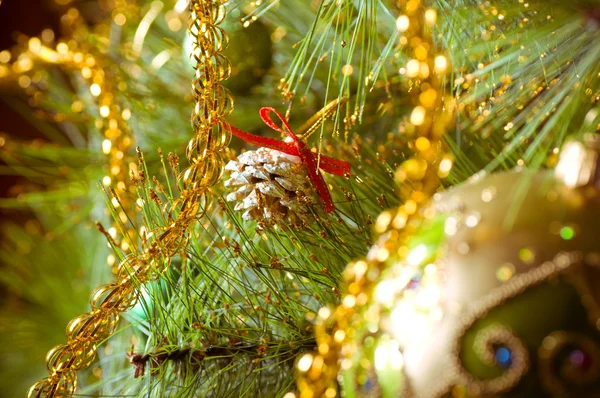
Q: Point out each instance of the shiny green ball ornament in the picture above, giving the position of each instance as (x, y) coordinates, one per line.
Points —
(250, 52)
(503, 301)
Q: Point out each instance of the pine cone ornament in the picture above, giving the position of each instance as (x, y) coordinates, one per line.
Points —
(272, 188)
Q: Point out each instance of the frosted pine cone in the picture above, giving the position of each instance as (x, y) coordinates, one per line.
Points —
(272, 188)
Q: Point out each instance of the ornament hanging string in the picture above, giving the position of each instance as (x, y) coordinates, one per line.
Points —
(296, 147)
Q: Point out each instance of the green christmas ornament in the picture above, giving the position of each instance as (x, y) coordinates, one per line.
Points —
(499, 295)
(250, 52)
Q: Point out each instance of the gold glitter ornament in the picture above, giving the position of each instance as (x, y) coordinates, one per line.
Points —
(497, 295)
(272, 188)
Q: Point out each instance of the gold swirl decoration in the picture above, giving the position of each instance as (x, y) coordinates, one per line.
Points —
(419, 178)
(212, 104)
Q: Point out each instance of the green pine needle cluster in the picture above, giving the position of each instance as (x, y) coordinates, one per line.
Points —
(234, 310)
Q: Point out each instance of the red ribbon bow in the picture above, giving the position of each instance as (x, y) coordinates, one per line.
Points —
(312, 161)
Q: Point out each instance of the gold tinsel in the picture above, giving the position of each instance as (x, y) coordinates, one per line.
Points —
(419, 179)
(212, 104)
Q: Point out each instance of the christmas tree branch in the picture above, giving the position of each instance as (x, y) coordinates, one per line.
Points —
(192, 356)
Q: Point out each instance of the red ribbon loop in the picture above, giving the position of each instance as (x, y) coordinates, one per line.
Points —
(312, 161)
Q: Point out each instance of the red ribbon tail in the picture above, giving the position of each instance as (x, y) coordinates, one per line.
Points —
(334, 166)
(317, 179)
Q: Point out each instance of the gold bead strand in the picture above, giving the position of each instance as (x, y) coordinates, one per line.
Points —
(419, 178)
(213, 104)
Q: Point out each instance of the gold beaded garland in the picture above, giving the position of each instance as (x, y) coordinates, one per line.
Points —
(419, 178)
(212, 104)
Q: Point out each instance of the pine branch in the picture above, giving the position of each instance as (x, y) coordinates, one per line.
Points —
(193, 356)
(526, 78)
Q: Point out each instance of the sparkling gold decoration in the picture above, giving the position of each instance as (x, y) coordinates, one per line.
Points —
(212, 104)
(81, 59)
(494, 296)
(579, 166)
(500, 305)
(419, 179)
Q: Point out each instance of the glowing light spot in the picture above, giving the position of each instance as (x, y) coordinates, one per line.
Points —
(62, 48)
(567, 233)
(86, 72)
(24, 81)
(95, 90)
(106, 180)
(422, 144)
(120, 19)
(382, 254)
(324, 313)
(180, 7)
(526, 255)
(569, 167)
(412, 68)
(488, 194)
(339, 336)
(388, 355)
(472, 220)
(440, 64)
(417, 117)
(402, 23)
(430, 16)
(383, 220)
(410, 206)
(385, 291)
(505, 272)
(451, 226)
(445, 167)
(174, 24)
(347, 70)
(104, 111)
(360, 267)
(305, 363)
(417, 255)
(35, 45)
(5, 56)
(399, 221)
(349, 301)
